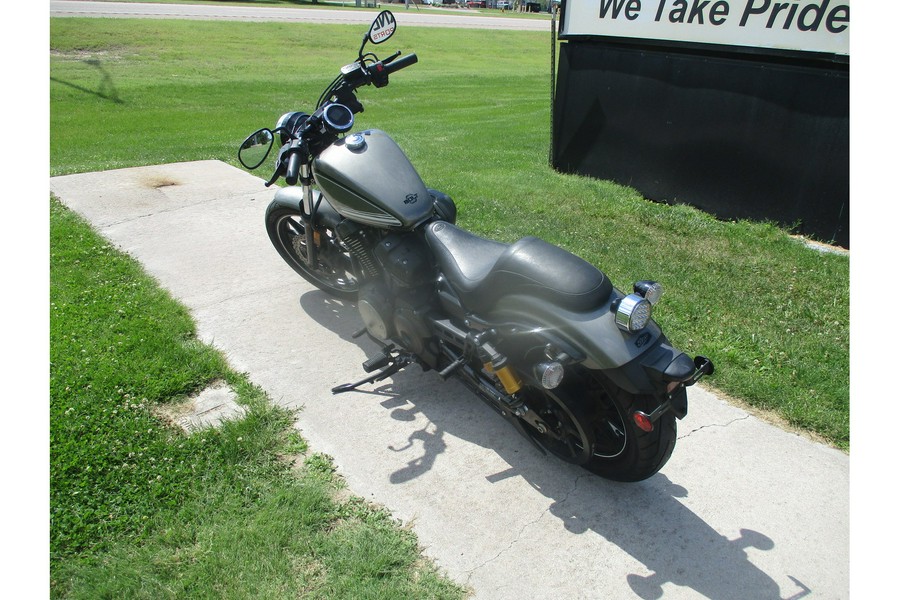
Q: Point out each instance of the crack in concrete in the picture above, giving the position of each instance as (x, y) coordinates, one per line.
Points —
(161, 211)
(728, 424)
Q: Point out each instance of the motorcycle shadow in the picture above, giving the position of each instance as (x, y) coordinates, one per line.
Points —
(645, 519)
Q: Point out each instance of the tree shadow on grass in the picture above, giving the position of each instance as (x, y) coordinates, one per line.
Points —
(106, 89)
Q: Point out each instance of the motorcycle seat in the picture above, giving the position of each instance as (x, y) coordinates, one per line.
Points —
(482, 271)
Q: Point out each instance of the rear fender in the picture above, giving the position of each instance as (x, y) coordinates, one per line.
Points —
(641, 363)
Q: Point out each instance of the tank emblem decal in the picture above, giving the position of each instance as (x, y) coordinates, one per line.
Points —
(411, 199)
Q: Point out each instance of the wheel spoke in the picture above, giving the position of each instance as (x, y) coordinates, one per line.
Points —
(333, 271)
(611, 436)
(295, 228)
(574, 451)
(565, 435)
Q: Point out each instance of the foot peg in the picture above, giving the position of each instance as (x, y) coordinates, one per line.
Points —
(451, 368)
(377, 362)
(388, 363)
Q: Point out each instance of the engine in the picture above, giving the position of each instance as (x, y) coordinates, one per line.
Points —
(397, 276)
(394, 306)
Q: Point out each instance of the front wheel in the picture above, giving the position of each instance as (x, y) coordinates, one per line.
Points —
(333, 272)
(587, 421)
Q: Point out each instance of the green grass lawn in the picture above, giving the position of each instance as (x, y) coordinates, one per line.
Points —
(473, 115)
(141, 510)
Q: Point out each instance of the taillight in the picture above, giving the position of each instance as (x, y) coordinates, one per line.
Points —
(642, 420)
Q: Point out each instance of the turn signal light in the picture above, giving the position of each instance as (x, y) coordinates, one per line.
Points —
(550, 374)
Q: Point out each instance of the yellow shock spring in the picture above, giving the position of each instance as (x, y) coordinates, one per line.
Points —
(509, 379)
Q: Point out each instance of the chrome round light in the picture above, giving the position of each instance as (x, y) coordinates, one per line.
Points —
(550, 374)
(633, 313)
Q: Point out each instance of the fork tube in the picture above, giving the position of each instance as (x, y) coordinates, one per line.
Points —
(311, 258)
(307, 189)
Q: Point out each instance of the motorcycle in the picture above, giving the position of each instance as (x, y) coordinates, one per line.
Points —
(577, 366)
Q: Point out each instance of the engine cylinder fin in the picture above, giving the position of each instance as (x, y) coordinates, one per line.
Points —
(355, 238)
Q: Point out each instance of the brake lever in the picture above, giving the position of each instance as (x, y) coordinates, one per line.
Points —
(279, 167)
(391, 57)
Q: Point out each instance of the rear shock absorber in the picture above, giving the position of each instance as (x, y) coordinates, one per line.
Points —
(500, 367)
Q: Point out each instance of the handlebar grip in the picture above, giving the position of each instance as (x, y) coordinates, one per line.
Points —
(293, 169)
(401, 63)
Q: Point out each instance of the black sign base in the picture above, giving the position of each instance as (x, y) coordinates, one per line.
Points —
(741, 137)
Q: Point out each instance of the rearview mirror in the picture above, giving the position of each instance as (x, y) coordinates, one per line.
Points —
(383, 27)
(255, 148)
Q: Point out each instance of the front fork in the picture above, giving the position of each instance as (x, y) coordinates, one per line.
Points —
(308, 209)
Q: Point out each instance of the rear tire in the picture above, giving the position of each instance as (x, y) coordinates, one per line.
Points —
(334, 270)
(588, 410)
(640, 454)
(563, 429)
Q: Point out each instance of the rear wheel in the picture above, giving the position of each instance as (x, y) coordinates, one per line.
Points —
(588, 422)
(334, 269)
(559, 425)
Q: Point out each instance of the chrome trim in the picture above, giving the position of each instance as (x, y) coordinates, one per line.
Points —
(370, 218)
(651, 290)
(338, 117)
(631, 306)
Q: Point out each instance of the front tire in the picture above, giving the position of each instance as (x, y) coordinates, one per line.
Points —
(334, 269)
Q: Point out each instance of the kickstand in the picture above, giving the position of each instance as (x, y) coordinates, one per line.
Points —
(394, 365)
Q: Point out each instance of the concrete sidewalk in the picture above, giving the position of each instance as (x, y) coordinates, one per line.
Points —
(742, 510)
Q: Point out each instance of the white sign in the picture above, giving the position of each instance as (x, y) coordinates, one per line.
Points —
(804, 25)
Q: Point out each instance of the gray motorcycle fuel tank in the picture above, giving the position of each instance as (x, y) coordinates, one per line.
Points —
(367, 178)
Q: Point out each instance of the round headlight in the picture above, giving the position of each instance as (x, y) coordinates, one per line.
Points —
(633, 313)
(289, 124)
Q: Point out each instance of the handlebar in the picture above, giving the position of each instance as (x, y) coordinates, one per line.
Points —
(357, 75)
(292, 174)
(341, 92)
(401, 63)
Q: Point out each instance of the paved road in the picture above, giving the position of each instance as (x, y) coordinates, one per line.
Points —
(424, 17)
(742, 511)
